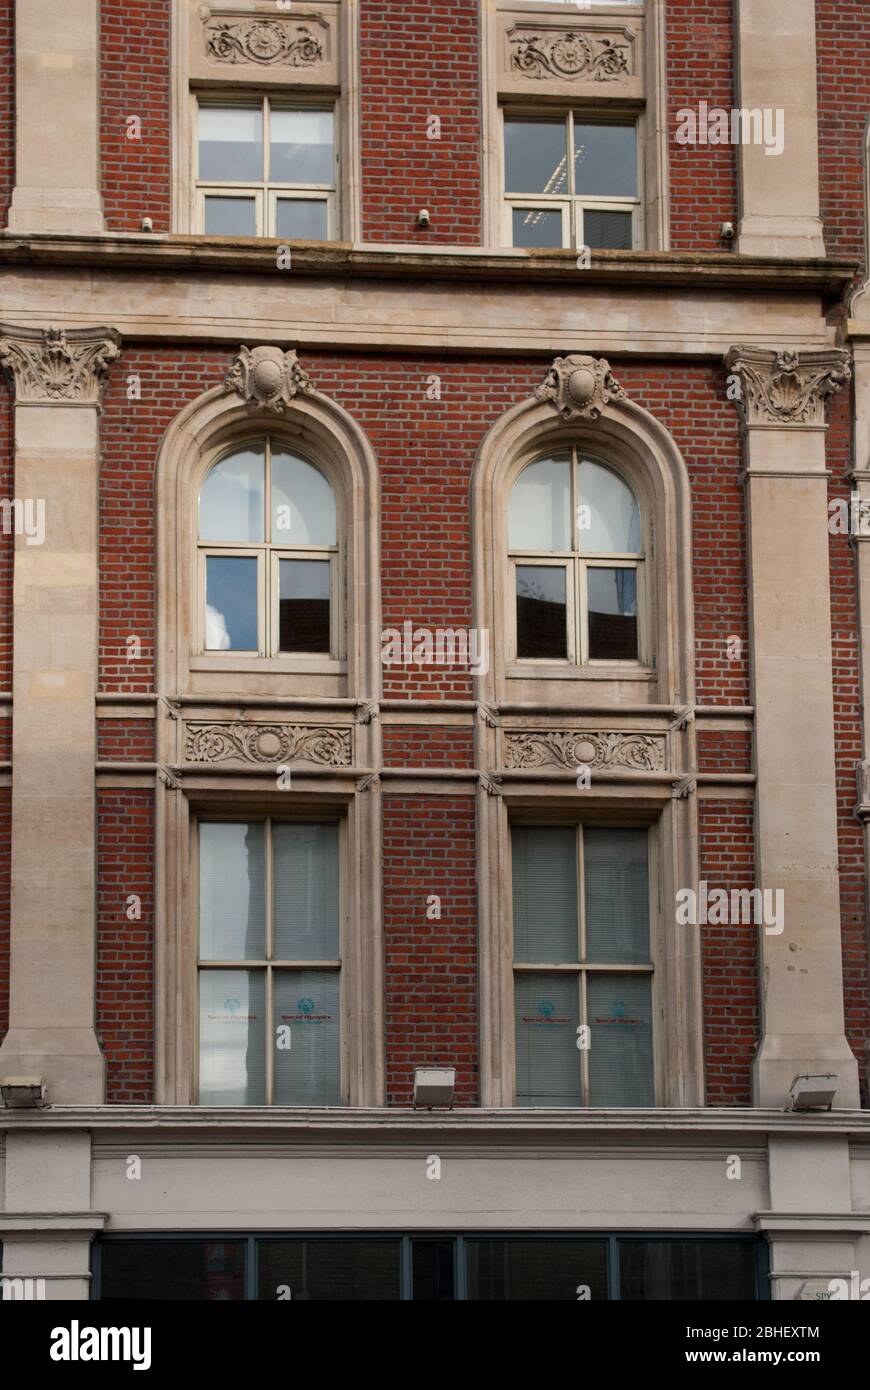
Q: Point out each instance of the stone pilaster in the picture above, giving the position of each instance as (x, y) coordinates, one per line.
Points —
(783, 403)
(57, 104)
(776, 73)
(57, 378)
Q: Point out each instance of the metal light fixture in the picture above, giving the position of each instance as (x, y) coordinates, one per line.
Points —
(813, 1092)
(434, 1086)
(23, 1092)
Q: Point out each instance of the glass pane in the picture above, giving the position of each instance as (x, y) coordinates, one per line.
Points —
(609, 230)
(548, 1059)
(536, 227)
(535, 157)
(231, 603)
(231, 144)
(172, 1270)
(608, 517)
(302, 219)
(544, 861)
(542, 611)
(620, 1051)
(605, 161)
(432, 1266)
(301, 147)
(303, 503)
(232, 1037)
(230, 217)
(305, 871)
(232, 890)
(307, 1069)
(304, 605)
(329, 1270)
(617, 895)
(562, 1270)
(688, 1269)
(541, 505)
(231, 499)
(612, 614)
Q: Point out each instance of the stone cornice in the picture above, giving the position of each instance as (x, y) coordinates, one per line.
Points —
(787, 388)
(340, 259)
(308, 1124)
(56, 366)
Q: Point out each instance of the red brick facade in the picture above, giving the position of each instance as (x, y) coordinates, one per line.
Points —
(135, 80)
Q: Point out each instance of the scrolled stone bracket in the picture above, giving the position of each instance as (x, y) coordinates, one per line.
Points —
(684, 787)
(785, 387)
(367, 712)
(170, 776)
(491, 785)
(488, 715)
(579, 387)
(369, 783)
(862, 775)
(266, 378)
(683, 718)
(58, 366)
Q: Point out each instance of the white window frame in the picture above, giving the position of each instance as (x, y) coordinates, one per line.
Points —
(265, 192)
(269, 964)
(268, 553)
(577, 563)
(572, 205)
(581, 968)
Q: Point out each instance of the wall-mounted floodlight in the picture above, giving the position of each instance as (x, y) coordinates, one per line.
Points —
(813, 1092)
(434, 1086)
(23, 1092)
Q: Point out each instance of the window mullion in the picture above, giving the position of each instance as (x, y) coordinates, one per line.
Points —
(570, 133)
(270, 1020)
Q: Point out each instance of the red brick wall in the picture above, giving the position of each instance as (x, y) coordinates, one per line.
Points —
(130, 433)
(843, 65)
(724, 751)
(703, 178)
(135, 80)
(125, 948)
(7, 106)
(430, 967)
(125, 740)
(847, 736)
(419, 58)
(729, 954)
(420, 745)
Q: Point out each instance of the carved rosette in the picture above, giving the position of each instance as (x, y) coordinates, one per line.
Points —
(787, 388)
(580, 387)
(55, 366)
(263, 41)
(571, 748)
(267, 744)
(267, 378)
(568, 54)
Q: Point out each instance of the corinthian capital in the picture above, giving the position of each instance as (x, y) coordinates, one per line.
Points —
(787, 388)
(56, 366)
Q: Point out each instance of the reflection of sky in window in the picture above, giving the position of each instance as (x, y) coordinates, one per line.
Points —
(231, 603)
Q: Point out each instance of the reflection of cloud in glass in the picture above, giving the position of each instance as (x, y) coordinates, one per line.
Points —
(216, 636)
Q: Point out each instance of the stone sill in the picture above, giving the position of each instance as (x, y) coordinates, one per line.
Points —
(150, 251)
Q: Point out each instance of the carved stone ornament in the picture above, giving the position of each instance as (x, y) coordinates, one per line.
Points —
(787, 388)
(267, 744)
(568, 54)
(264, 41)
(569, 748)
(55, 366)
(267, 378)
(580, 387)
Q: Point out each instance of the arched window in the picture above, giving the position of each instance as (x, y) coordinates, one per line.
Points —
(268, 554)
(576, 555)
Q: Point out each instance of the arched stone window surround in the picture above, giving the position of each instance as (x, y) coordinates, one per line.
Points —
(629, 439)
(321, 430)
(275, 692)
